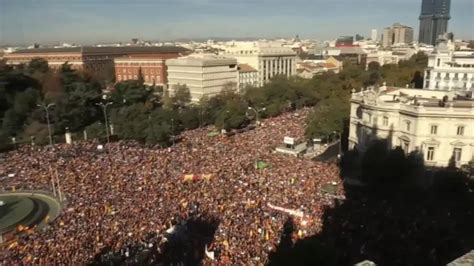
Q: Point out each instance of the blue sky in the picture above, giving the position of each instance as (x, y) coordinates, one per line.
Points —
(91, 21)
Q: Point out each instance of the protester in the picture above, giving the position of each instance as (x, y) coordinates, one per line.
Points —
(118, 197)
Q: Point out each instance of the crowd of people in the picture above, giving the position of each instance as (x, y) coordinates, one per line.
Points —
(117, 197)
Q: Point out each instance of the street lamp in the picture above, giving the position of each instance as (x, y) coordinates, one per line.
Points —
(46, 109)
(104, 110)
(339, 136)
(172, 130)
(257, 111)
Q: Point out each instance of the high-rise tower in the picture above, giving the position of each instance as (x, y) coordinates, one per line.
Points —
(434, 19)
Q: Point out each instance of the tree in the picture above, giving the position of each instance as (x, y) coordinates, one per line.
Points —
(471, 45)
(140, 79)
(38, 65)
(181, 96)
(233, 115)
(130, 122)
(130, 92)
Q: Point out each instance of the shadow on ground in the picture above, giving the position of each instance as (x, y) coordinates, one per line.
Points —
(405, 215)
(184, 244)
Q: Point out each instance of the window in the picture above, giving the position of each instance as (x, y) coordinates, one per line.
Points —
(439, 62)
(460, 131)
(406, 147)
(430, 154)
(385, 121)
(408, 125)
(434, 130)
(457, 154)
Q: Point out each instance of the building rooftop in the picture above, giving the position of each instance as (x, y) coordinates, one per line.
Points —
(418, 98)
(246, 68)
(105, 50)
(347, 50)
(202, 60)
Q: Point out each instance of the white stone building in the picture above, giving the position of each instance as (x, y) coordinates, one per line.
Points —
(204, 75)
(449, 69)
(248, 76)
(415, 120)
(269, 59)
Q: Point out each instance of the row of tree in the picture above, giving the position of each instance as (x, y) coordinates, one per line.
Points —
(149, 115)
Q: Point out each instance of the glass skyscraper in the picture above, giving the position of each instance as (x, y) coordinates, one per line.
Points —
(434, 19)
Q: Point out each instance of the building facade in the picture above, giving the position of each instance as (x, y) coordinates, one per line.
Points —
(248, 76)
(203, 75)
(345, 41)
(434, 18)
(268, 59)
(437, 124)
(374, 35)
(397, 34)
(96, 60)
(152, 67)
(354, 55)
(449, 69)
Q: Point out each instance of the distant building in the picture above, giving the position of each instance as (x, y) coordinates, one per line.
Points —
(308, 68)
(203, 75)
(434, 18)
(345, 41)
(355, 55)
(449, 69)
(269, 59)
(374, 35)
(152, 68)
(437, 124)
(96, 60)
(397, 34)
(248, 76)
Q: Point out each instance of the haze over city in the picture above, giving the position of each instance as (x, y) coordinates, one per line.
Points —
(88, 22)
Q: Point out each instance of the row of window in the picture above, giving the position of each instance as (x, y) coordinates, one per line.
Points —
(146, 78)
(459, 130)
(135, 71)
(456, 75)
(433, 129)
(138, 64)
(464, 85)
(430, 154)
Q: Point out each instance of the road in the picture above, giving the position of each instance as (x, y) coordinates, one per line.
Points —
(330, 154)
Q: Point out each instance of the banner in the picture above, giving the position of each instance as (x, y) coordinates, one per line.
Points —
(261, 165)
(285, 210)
(192, 177)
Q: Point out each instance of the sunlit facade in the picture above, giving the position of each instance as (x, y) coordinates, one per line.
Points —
(437, 124)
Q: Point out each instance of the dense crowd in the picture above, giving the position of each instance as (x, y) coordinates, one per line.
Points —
(120, 196)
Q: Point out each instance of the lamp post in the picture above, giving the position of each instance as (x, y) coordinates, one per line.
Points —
(46, 109)
(340, 148)
(172, 130)
(104, 110)
(257, 111)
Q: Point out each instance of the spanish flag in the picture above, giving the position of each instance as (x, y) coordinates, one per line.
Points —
(207, 177)
(189, 178)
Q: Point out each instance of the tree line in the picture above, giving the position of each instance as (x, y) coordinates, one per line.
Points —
(150, 115)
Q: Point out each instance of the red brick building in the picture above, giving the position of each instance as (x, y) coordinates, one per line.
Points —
(152, 66)
(96, 60)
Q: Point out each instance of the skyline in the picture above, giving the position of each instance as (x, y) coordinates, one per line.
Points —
(89, 22)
